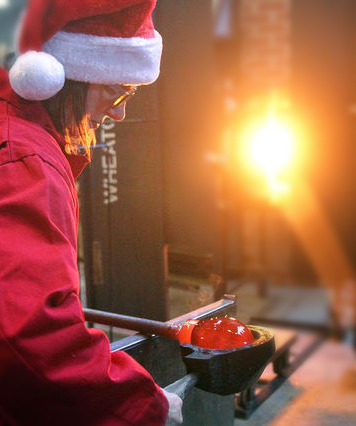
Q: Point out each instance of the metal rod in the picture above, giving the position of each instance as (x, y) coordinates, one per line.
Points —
(131, 323)
(182, 386)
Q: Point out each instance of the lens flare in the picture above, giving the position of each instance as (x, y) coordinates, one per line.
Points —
(271, 146)
(268, 151)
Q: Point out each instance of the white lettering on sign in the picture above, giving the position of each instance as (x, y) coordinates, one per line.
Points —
(109, 163)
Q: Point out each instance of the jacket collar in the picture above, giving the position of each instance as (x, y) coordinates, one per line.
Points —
(37, 113)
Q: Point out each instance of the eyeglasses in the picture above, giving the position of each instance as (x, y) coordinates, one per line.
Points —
(129, 92)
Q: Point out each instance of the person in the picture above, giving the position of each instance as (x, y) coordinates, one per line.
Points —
(80, 61)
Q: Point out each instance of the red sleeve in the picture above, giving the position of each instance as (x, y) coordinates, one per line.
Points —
(53, 370)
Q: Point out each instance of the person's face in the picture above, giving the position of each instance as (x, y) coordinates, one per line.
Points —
(108, 101)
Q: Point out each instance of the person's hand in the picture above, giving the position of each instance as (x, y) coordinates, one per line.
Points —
(175, 409)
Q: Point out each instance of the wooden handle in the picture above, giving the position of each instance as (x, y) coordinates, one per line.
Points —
(131, 323)
(182, 386)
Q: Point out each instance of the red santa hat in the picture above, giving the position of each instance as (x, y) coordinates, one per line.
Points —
(104, 42)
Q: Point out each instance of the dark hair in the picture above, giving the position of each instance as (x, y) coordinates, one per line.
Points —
(68, 113)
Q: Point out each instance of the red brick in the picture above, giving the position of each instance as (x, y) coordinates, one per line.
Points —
(273, 4)
(264, 11)
(254, 20)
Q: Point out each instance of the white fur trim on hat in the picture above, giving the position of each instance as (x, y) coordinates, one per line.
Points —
(36, 76)
(107, 60)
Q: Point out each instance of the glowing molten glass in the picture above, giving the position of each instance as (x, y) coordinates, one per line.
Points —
(215, 333)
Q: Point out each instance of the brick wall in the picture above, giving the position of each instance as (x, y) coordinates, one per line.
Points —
(265, 45)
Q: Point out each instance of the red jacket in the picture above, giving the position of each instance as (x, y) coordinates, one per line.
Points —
(53, 370)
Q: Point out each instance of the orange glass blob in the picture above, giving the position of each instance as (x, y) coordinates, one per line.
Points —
(215, 333)
(184, 332)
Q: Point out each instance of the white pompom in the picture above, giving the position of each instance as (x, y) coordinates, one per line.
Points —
(37, 76)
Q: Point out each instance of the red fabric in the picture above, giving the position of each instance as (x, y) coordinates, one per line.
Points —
(53, 370)
(112, 18)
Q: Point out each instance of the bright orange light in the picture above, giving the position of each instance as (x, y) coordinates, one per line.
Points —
(271, 146)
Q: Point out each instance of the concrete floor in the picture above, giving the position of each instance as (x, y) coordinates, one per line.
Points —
(322, 392)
